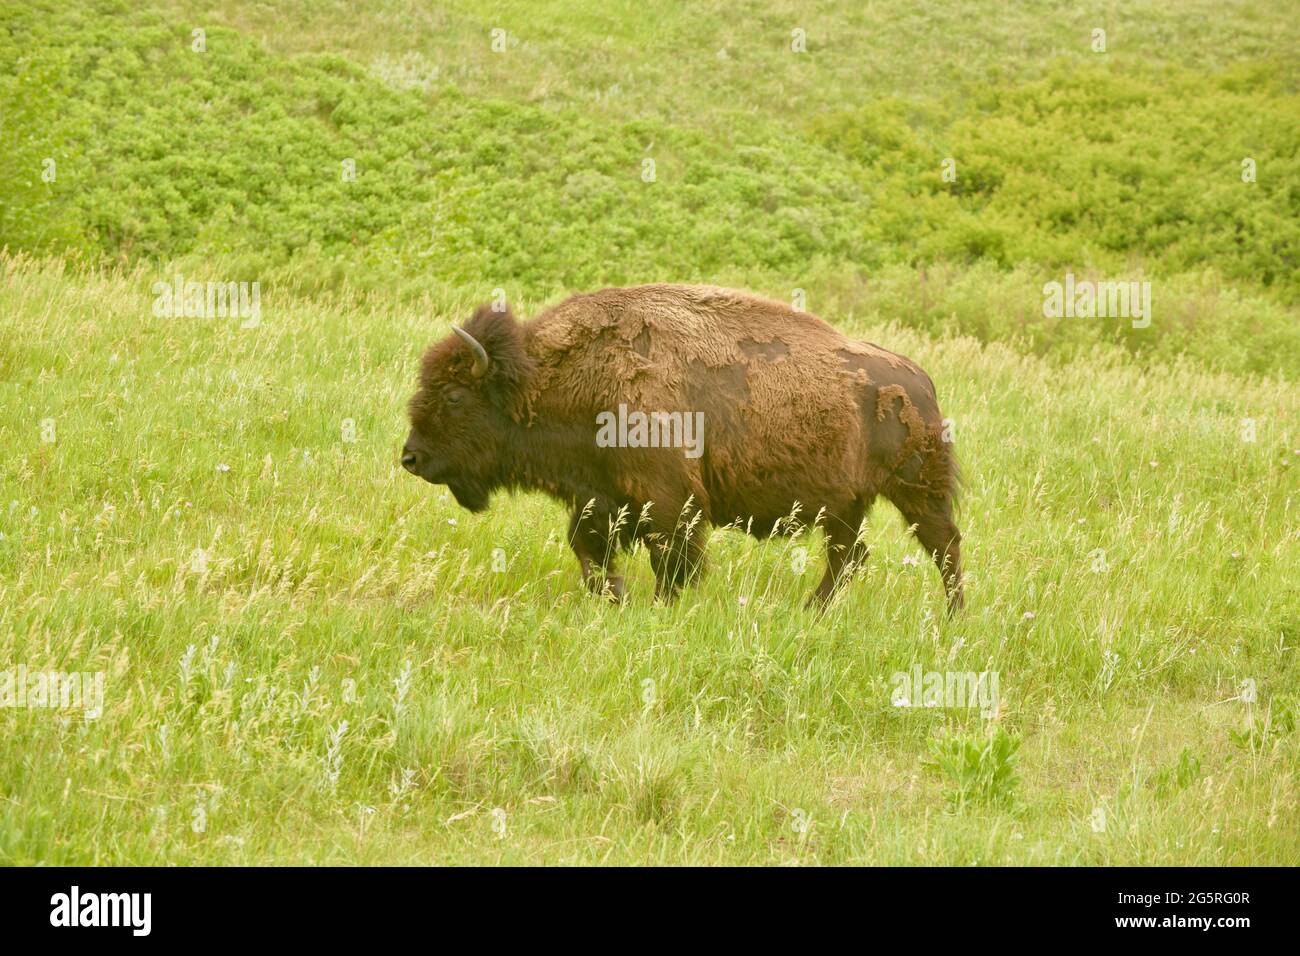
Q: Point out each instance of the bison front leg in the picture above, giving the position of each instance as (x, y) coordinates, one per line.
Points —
(593, 539)
(677, 553)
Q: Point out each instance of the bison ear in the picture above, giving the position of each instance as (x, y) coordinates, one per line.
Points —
(505, 367)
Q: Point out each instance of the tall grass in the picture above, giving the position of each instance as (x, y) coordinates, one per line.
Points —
(343, 677)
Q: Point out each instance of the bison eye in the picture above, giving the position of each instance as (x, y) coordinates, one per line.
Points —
(455, 397)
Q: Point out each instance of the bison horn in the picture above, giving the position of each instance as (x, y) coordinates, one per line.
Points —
(480, 353)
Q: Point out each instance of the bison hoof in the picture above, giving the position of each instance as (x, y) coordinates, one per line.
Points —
(615, 590)
(611, 588)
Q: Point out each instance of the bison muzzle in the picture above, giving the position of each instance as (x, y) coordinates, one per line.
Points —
(797, 420)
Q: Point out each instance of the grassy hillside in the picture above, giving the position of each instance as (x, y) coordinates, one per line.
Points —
(311, 657)
(233, 157)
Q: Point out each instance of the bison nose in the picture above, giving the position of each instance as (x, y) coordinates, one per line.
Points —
(408, 460)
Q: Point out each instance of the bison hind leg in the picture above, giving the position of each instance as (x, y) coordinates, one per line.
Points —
(846, 549)
(924, 487)
(931, 519)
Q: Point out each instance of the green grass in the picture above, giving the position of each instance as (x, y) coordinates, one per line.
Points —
(506, 716)
(527, 695)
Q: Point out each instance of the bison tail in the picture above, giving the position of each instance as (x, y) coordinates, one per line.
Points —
(956, 479)
(940, 473)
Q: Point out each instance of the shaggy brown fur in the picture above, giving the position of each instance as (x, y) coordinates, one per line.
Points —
(795, 415)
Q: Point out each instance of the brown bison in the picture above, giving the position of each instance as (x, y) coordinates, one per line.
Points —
(795, 417)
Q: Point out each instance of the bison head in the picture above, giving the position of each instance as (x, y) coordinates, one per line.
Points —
(471, 400)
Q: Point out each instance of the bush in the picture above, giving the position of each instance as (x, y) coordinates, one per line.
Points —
(978, 771)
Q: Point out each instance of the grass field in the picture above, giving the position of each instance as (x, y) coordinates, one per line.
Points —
(311, 657)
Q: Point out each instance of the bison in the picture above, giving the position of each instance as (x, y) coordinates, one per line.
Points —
(796, 417)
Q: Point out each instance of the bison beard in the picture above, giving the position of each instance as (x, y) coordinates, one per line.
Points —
(469, 494)
(798, 418)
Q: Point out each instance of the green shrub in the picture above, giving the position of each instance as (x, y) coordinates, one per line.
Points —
(978, 770)
(1091, 168)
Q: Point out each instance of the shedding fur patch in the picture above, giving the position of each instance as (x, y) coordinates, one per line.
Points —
(868, 350)
(907, 415)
